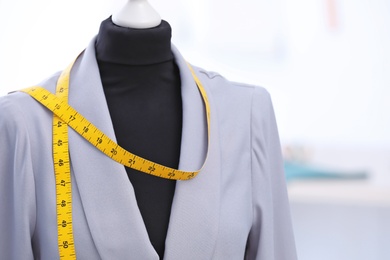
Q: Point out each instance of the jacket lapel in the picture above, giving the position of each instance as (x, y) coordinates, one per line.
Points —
(106, 194)
(194, 219)
(108, 197)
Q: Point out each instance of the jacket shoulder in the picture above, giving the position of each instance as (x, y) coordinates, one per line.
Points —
(18, 108)
(223, 87)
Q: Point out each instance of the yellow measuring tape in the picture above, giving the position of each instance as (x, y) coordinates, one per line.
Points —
(63, 116)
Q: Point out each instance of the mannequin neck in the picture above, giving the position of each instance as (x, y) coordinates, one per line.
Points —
(128, 46)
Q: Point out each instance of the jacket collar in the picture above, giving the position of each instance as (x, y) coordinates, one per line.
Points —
(107, 195)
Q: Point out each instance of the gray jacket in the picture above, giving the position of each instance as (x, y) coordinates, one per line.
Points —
(236, 208)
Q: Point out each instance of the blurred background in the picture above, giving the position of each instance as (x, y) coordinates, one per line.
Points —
(326, 64)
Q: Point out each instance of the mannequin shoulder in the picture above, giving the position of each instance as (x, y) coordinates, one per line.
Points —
(222, 87)
(18, 105)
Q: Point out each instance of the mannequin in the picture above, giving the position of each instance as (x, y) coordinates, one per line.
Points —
(138, 89)
(142, 87)
(137, 14)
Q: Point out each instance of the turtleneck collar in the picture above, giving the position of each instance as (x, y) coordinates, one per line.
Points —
(128, 46)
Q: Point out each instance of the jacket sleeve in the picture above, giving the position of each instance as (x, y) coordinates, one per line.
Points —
(17, 189)
(271, 236)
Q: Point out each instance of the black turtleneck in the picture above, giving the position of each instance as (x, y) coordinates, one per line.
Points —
(142, 86)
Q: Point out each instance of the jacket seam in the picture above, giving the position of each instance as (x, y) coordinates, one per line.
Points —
(251, 158)
(14, 104)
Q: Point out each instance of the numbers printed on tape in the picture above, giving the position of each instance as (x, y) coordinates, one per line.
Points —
(63, 116)
(62, 173)
(97, 138)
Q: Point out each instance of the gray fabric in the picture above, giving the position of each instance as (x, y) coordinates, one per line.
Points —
(236, 208)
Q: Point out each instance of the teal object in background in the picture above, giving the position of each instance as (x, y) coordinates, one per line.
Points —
(300, 171)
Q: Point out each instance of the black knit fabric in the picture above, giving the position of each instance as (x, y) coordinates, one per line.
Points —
(142, 86)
